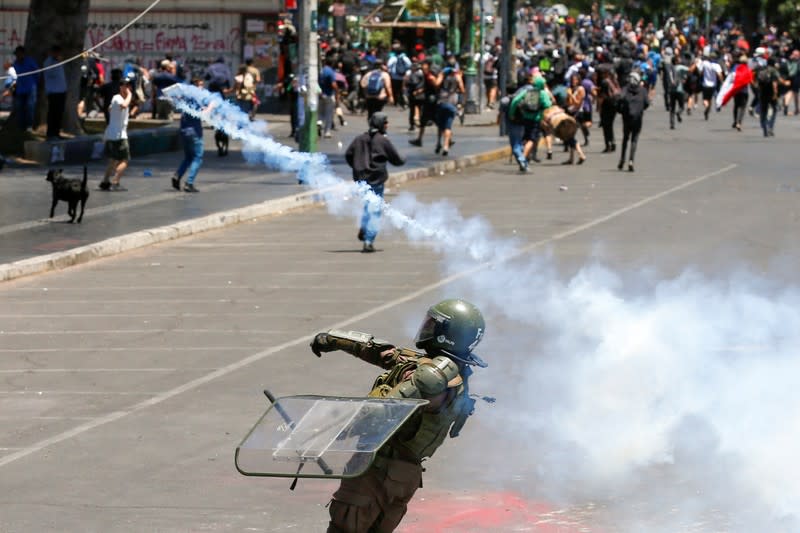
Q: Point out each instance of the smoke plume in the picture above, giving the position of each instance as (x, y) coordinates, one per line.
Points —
(671, 402)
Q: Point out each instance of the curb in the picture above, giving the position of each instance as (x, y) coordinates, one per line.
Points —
(141, 239)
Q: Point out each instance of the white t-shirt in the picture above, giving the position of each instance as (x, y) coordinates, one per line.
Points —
(117, 128)
(711, 71)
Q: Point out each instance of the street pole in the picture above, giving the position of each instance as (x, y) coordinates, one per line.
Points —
(480, 58)
(708, 19)
(505, 56)
(309, 52)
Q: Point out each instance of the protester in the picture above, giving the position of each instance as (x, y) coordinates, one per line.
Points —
(368, 155)
(25, 89)
(377, 87)
(450, 87)
(191, 133)
(55, 86)
(327, 98)
(116, 138)
(632, 105)
(219, 80)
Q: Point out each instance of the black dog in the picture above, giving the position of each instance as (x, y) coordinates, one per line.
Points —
(71, 191)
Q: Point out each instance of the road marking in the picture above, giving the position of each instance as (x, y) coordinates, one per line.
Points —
(122, 331)
(242, 363)
(89, 370)
(129, 349)
(73, 392)
(120, 206)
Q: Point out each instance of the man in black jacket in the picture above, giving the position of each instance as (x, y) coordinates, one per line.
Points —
(632, 105)
(368, 155)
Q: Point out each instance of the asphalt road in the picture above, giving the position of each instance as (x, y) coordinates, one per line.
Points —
(126, 384)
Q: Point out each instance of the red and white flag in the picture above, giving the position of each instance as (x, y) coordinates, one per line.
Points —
(738, 80)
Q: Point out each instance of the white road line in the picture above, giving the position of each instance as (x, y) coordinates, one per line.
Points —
(74, 392)
(128, 349)
(237, 365)
(119, 206)
(26, 417)
(139, 331)
(259, 311)
(91, 370)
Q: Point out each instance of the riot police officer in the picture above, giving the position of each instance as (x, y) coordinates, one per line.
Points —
(377, 500)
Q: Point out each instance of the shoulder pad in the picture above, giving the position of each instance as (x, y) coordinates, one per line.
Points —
(450, 370)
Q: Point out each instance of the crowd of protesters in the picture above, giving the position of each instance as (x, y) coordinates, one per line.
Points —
(608, 66)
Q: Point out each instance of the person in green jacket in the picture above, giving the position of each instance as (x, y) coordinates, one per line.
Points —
(525, 116)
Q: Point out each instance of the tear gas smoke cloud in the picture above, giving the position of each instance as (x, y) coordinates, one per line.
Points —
(671, 405)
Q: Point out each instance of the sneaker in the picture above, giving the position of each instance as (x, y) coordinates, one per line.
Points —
(176, 182)
(361, 234)
(116, 187)
(549, 155)
(630, 166)
(368, 248)
(523, 166)
(444, 153)
(105, 185)
(621, 164)
(438, 149)
(415, 142)
(678, 116)
(581, 160)
(327, 135)
(189, 187)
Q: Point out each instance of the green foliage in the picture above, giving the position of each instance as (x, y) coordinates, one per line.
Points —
(381, 37)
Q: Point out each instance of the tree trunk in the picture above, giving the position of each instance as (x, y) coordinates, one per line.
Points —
(50, 22)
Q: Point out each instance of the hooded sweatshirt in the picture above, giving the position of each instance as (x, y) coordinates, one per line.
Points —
(633, 102)
(369, 153)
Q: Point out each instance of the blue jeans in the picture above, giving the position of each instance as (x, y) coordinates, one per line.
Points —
(192, 156)
(769, 110)
(516, 136)
(371, 219)
(24, 106)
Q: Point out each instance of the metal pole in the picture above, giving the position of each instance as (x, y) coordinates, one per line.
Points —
(309, 43)
(505, 56)
(708, 18)
(480, 59)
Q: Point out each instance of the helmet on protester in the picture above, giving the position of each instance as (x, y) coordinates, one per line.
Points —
(453, 328)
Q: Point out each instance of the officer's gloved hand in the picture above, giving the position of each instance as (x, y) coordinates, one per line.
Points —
(321, 343)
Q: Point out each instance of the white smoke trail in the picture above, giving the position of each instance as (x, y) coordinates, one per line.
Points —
(672, 402)
(469, 238)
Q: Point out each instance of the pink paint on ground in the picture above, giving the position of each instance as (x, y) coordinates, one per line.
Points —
(491, 512)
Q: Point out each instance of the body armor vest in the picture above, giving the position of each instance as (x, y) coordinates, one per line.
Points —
(425, 432)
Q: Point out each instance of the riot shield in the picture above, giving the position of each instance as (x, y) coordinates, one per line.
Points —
(332, 437)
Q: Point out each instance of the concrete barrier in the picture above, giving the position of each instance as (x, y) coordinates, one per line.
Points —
(85, 148)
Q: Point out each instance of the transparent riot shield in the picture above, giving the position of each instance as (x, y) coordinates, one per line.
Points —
(321, 436)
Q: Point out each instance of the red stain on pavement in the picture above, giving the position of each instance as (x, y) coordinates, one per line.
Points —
(491, 512)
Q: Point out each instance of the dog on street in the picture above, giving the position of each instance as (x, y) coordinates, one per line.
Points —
(71, 191)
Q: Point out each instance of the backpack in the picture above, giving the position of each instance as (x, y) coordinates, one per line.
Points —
(374, 84)
(416, 85)
(489, 66)
(530, 105)
(765, 77)
(401, 65)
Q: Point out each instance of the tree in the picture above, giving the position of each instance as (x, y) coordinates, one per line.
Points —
(52, 22)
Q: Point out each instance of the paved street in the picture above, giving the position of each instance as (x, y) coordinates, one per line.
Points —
(225, 183)
(127, 383)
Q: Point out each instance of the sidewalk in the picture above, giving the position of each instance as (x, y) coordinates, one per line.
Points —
(227, 183)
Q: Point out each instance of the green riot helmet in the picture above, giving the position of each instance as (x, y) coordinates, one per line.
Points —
(454, 328)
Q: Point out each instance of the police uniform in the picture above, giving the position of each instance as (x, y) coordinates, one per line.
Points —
(376, 501)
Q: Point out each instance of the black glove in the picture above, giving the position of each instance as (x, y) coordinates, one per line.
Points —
(321, 343)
